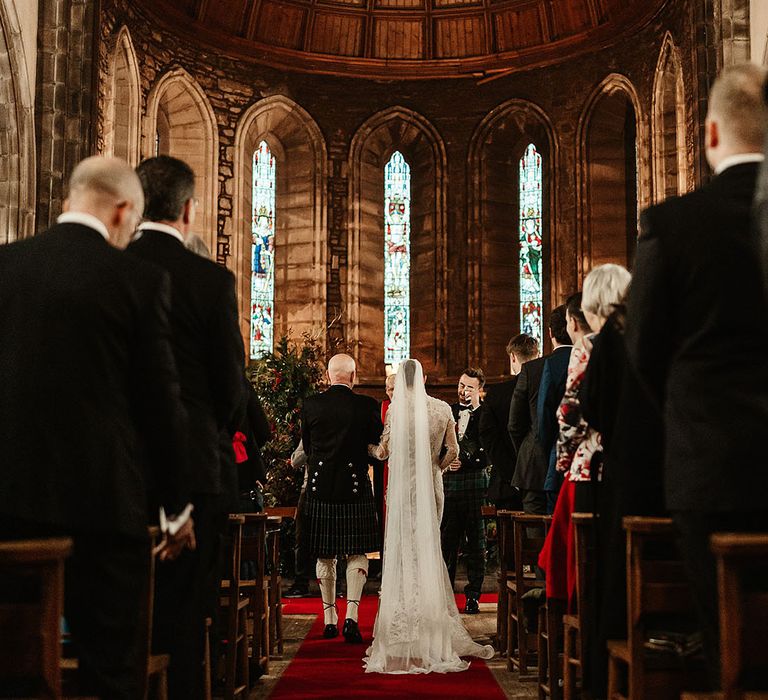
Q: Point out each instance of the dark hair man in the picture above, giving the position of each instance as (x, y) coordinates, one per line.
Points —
(700, 352)
(465, 483)
(494, 435)
(208, 347)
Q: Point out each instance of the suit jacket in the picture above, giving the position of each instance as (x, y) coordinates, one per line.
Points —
(495, 438)
(336, 428)
(523, 426)
(471, 451)
(697, 334)
(551, 393)
(90, 414)
(209, 353)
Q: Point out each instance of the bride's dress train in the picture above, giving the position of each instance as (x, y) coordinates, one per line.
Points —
(418, 628)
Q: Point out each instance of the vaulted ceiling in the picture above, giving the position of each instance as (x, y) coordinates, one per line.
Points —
(404, 38)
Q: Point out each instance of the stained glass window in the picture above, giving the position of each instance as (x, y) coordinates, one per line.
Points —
(531, 299)
(397, 259)
(263, 252)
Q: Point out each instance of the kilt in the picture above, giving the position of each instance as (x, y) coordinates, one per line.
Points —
(339, 529)
(467, 486)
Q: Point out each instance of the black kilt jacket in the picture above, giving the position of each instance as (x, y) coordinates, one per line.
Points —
(337, 427)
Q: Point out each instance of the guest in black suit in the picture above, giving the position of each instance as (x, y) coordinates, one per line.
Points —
(566, 326)
(697, 332)
(465, 483)
(494, 435)
(522, 424)
(208, 348)
(86, 327)
(339, 511)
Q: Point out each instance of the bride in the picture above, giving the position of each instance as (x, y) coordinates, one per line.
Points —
(418, 628)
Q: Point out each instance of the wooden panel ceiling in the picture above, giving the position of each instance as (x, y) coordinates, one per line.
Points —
(404, 38)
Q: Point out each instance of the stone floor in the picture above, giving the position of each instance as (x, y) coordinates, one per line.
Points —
(481, 627)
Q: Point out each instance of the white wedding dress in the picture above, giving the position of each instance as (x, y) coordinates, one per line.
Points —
(418, 628)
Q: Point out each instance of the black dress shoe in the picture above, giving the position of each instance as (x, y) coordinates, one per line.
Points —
(352, 632)
(296, 592)
(330, 632)
(471, 608)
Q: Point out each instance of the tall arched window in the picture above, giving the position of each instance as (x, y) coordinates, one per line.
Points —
(263, 252)
(531, 298)
(397, 259)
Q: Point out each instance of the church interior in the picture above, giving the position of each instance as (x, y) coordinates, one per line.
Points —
(388, 179)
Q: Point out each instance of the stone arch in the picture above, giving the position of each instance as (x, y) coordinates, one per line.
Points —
(495, 150)
(613, 174)
(670, 170)
(401, 129)
(122, 125)
(17, 131)
(179, 111)
(300, 210)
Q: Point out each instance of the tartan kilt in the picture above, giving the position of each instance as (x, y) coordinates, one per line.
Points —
(338, 529)
(466, 487)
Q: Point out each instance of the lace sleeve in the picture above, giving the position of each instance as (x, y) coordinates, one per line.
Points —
(450, 443)
(381, 451)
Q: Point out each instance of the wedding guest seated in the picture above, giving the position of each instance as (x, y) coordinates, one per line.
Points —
(578, 445)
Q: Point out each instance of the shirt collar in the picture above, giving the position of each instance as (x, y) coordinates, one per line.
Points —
(154, 226)
(739, 159)
(80, 217)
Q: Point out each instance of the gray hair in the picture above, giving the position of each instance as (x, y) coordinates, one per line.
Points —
(198, 245)
(736, 103)
(106, 177)
(605, 287)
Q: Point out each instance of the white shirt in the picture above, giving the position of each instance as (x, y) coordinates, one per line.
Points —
(80, 217)
(465, 412)
(154, 226)
(739, 159)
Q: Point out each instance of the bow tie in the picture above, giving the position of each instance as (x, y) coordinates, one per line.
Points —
(466, 408)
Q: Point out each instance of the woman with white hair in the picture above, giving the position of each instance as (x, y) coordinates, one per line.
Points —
(578, 444)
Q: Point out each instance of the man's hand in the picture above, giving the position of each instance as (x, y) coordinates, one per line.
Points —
(455, 465)
(173, 545)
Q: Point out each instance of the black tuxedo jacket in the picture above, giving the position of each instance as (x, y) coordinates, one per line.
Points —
(697, 334)
(336, 428)
(208, 349)
(495, 438)
(551, 392)
(471, 450)
(90, 415)
(531, 466)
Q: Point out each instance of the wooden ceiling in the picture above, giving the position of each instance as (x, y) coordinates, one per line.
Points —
(404, 38)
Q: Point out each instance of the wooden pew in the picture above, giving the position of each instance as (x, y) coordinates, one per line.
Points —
(549, 656)
(657, 594)
(742, 573)
(274, 586)
(576, 625)
(254, 548)
(30, 615)
(529, 532)
(506, 543)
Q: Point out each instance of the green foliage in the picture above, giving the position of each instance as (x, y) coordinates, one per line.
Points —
(283, 379)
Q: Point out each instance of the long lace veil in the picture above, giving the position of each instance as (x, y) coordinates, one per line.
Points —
(418, 628)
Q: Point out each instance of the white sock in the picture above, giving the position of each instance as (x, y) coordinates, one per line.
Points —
(357, 573)
(326, 577)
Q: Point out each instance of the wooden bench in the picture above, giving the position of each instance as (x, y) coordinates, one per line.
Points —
(506, 542)
(742, 573)
(549, 654)
(658, 598)
(30, 615)
(529, 532)
(576, 624)
(274, 586)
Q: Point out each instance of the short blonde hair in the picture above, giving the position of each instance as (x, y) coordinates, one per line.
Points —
(604, 288)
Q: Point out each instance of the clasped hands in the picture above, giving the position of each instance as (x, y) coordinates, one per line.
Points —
(172, 545)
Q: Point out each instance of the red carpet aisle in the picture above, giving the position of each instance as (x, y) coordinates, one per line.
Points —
(334, 669)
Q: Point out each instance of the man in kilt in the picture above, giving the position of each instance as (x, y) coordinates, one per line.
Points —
(465, 483)
(339, 511)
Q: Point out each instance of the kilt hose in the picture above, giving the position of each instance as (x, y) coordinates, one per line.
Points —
(463, 517)
(339, 529)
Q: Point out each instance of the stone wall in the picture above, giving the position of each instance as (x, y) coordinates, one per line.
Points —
(472, 261)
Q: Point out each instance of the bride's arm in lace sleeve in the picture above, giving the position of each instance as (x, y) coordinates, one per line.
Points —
(381, 451)
(450, 443)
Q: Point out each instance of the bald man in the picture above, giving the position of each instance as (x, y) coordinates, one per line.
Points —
(340, 512)
(697, 332)
(90, 416)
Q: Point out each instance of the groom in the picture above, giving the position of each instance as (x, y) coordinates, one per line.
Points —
(340, 512)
